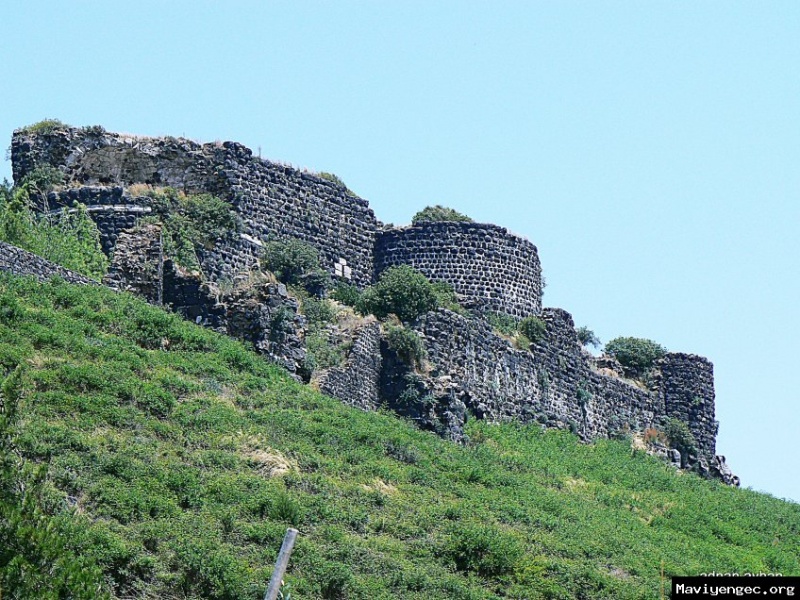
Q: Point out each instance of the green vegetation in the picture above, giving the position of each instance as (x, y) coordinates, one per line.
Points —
(189, 221)
(520, 333)
(296, 262)
(502, 323)
(402, 291)
(439, 213)
(169, 462)
(335, 179)
(680, 437)
(533, 328)
(587, 337)
(407, 343)
(322, 354)
(45, 126)
(637, 355)
(69, 238)
(346, 293)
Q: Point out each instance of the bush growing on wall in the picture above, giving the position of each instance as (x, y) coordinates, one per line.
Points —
(587, 337)
(190, 221)
(296, 262)
(439, 213)
(533, 328)
(406, 343)
(637, 355)
(402, 291)
(346, 293)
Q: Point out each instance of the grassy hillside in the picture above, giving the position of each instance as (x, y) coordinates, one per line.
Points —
(153, 459)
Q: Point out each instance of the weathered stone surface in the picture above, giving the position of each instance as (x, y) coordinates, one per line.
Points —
(268, 317)
(21, 262)
(720, 470)
(137, 265)
(273, 200)
(489, 268)
(357, 382)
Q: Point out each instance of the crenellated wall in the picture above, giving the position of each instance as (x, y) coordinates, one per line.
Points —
(489, 268)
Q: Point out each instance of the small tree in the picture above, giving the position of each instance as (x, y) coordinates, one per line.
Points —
(637, 355)
(587, 337)
(439, 213)
(407, 343)
(402, 291)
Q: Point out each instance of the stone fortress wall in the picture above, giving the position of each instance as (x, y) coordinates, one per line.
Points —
(473, 369)
(489, 268)
(273, 201)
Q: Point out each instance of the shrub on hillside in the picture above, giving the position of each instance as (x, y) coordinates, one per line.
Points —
(636, 355)
(401, 291)
(439, 213)
(484, 549)
(533, 328)
(346, 293)
(70, 239)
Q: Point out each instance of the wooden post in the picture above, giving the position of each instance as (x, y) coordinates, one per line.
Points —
(280, 564)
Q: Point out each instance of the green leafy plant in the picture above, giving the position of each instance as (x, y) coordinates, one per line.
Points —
(636, 355)
(402, 291)
(680, 436)
(484, 549)
(45, 126)
(446, 297)
(533, 328)
(189, 221)
(407, 343)
(439, 213)
(69, 238)
(346, 293)
(503, 323)
(587, 337)
(296, 262)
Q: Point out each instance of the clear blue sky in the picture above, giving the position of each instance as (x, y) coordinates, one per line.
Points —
(651, 150)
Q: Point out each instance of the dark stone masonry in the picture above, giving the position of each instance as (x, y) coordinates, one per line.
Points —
(489, 268)
(21, 262)
(470, 369)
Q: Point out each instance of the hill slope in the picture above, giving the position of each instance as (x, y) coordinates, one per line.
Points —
(173, 459)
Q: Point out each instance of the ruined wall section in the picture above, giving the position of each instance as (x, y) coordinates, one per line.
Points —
(556, 383)
(274, 201)
(277, 201)
(489, 268)
(553, 383)
(357, 382)
(21, 262)
(687, 388)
